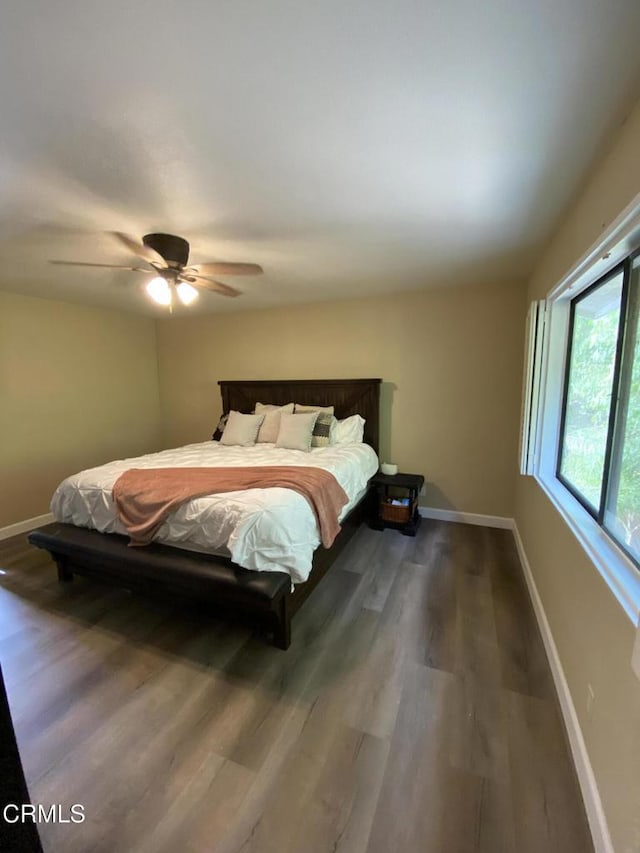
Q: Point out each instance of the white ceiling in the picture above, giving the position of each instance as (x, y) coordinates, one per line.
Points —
(347, 147)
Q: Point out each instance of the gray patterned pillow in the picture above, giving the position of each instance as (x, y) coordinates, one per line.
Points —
(217, 433)
(322, 430)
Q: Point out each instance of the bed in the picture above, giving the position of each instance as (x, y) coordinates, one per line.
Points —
(264, 585)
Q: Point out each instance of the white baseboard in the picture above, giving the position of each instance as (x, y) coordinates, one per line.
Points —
(590, 794)
(466, 517)
(25, 526)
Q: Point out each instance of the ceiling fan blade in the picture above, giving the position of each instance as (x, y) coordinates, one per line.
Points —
(223, 268)
(150, 255)
(108, 266)
(210, 284)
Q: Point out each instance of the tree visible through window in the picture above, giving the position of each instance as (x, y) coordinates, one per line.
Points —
(599, 456)
(622, 512)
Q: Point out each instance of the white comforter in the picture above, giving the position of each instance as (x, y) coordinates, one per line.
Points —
(261, 529)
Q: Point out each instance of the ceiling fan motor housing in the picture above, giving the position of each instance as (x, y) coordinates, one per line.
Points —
(175, 250)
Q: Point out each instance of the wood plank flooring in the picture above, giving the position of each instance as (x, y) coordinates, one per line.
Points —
(413, 712)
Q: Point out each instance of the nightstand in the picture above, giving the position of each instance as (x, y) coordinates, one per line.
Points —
(396, 502)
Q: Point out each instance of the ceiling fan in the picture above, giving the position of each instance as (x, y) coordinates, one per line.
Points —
(168, 256)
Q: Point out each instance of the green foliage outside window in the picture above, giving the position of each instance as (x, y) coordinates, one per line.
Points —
(588, 405)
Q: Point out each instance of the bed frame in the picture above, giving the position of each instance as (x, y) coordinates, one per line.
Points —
(220, 583)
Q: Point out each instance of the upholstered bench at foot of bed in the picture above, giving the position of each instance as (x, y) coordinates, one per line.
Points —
(217, 580)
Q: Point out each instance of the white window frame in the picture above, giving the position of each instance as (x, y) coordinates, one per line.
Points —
(533, 359)
(614, 565)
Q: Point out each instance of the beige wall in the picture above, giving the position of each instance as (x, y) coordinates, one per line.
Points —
(78, 386)
(593, 635)
(450, 358)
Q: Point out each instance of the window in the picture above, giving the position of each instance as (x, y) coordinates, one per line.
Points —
(598, 456)
(581, 407)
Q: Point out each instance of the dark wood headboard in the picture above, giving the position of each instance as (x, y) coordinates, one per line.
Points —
(348, 396)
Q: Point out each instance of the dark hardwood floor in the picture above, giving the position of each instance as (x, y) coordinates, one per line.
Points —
(414, 710)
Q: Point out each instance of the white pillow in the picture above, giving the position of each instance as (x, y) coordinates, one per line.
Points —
(296, 431)
(348, 431)
(271, 424)
(241, 429)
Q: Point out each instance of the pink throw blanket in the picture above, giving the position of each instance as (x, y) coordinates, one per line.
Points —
(145, 497)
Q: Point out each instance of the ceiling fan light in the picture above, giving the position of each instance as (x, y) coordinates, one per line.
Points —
(186, 293)
(159, 290)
